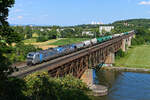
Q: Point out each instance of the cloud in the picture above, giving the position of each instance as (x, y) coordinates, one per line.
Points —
(144, 3)
(20, 17)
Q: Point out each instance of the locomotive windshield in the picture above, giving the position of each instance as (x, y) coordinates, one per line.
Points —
(31, 55)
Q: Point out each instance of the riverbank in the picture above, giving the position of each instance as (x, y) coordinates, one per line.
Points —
(137, 57)
(126, 69)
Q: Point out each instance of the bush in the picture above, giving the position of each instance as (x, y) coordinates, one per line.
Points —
(42, 87)
(72, 88)
(42, 39)
(138, 41)
(71, 82)
(142, 37)
(11, 89)
(120, 54)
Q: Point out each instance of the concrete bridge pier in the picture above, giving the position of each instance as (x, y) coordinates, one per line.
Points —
(123, 46)
(129, 41)
(89, 77)
(110, 59)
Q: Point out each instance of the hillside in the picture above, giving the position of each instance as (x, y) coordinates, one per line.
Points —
(133, 22)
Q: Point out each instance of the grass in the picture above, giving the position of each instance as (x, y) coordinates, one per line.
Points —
(53, 42)
(68, 41)
(32, 40)
(137, 56)
(43, 45)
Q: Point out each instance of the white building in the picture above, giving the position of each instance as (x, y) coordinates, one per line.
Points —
(105, 28)
(89, 33)
(41, 29)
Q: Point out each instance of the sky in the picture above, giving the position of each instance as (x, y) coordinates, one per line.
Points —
(75, 12)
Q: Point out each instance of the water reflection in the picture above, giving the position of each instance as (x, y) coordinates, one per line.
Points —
(124, 85)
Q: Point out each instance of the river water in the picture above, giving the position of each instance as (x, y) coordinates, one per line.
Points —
(124, 85)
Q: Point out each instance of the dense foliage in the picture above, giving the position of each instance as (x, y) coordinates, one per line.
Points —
(142, 37)
(39, 86)
(44, 33)
(141, 26)
(133, 23)
(119, 54)
(10, 88)
(7, 37)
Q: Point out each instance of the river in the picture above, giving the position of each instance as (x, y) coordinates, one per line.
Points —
(124, 85)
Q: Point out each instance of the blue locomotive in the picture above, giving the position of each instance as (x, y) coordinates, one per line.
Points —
(45, 55)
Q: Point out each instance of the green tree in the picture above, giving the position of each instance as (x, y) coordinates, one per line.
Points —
(28, 32)
(7, 37)
(53, 34)
(78, 31)
(40, 86)
(20, 30)
(67, 33)
(96, 32)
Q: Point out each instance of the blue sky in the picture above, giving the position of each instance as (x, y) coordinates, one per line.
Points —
(73, 12)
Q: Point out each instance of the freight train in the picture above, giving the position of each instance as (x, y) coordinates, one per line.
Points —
(52, 53)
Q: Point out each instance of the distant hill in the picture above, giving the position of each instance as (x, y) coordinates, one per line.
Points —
(133, 22)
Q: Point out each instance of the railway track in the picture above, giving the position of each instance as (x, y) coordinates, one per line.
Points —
(53, 64)
(29, 69)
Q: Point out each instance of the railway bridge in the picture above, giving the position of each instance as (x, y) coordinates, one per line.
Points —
(78, 62)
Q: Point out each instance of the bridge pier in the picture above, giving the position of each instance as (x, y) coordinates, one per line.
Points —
(123, 46)
(97, 90)
(110, 59)
(87, 77)
(129, 41)
(133, 36)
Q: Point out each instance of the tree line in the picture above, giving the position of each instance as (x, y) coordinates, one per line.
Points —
(44, 33)
(141, 27)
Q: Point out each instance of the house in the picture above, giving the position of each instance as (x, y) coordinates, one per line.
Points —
(88, 33)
